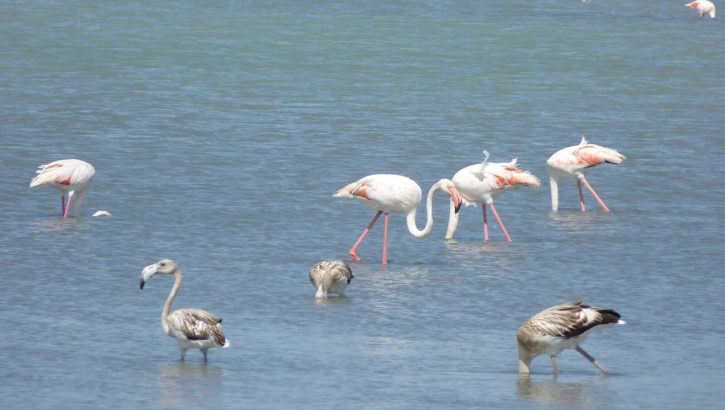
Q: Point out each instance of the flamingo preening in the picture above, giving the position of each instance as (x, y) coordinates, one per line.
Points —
(395, 193)
(71, 176)
(561, 327)
(330, 277)
(575, 161)
(479, 183)
(191, 328)
(703, 7)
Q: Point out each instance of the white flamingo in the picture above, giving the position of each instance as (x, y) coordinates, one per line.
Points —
(330, 277)
(395, 193)
(703, 7)
(479, 183)
(191, 328)
(575, 161)
(71, 176)
(561, 327)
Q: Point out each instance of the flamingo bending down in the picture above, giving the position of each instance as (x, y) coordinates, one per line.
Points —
(479, 183)
(330, 277)
(67, 175)
(561, 327)
(192, 328)
(395, 193)
(703, 7)
(576, 161)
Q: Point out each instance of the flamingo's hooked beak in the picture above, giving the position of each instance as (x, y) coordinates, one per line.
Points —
(456, 198)
(147, 273)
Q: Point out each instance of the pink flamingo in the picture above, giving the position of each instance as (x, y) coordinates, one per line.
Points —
(703, 7)
(395, 193)
(479, 183)
(66, 175)
(575, 161)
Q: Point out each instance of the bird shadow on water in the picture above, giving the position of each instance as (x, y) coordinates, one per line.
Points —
(554, 392)
(332, 301)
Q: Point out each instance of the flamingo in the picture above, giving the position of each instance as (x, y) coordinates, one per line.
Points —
(395, 193)
(703, 7)
(479, 183)
(330, 277)
(561, 327)
(71, 176)
(576, 161)
(191, 328)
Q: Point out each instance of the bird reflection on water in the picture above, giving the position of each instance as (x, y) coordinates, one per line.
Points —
(552, 392)
(181, 382)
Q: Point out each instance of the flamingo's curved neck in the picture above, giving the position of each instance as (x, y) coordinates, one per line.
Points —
(410, 218)
(169, 301)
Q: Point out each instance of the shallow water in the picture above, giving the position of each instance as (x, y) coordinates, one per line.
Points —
(220, 132)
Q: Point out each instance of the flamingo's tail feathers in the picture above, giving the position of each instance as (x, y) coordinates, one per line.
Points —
(356, 189)
(611, 156)
(521, 177)
(583, 141)
(42, 178)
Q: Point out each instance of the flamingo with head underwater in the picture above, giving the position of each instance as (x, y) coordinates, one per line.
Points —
(479, 183)
(395, 193)
(71, 176)
(575, 161)
(703, 7)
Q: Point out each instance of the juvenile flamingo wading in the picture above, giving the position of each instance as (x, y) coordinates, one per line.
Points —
(191, 328)
(562, 327)
(703, 7)
(575, 161)
(330, 277)
(71, 176)
(479, 183)
(395, 193)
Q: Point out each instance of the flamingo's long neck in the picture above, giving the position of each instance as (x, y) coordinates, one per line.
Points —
(169, 301)
(452, 221)
(554, 184)
(410, 219)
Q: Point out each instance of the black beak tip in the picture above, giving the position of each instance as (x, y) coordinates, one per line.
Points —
(142, 283)
(458, 208)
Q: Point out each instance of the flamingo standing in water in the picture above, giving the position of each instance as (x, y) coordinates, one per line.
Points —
(330, 277)
(562, 327)
(703, 7)
(479, 183)
(71, 176)
(575, 161)
(395, 193)
(191, 328)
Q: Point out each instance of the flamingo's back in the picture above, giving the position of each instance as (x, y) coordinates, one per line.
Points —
(64, 173)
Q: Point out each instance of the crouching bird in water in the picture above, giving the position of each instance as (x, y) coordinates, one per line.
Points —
(330, 277)
(191, 328)
(562, 327)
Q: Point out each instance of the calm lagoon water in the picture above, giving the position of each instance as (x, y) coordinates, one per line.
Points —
(219, 132)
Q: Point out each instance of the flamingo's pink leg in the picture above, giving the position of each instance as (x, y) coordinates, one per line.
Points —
(500, 223)
(62, 204)
(589, 187)
(485, 223)
(581, 196)
(385, 239)
(353, 250)
(67, 207)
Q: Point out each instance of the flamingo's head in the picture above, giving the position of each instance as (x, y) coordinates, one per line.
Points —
(163, 267)
(448, 187)
(692, 4)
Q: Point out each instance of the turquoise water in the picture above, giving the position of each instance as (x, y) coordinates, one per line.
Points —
(219, 133)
